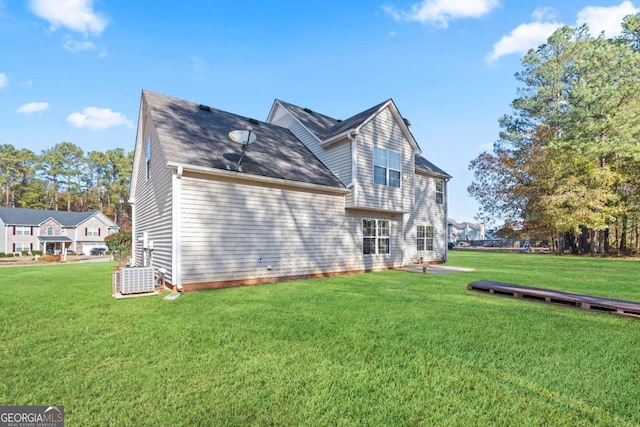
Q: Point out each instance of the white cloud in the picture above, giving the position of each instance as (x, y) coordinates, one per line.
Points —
(74, 46)
(4, 80)
(75, 15)
(33, 107)
(533, 34)
(523, 38)
(607, 19)
(98, 119)
(545, 13)
(440, 12)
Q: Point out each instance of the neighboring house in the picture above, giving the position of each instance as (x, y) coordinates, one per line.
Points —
(465, 231)
(52, 231)
(312, 196)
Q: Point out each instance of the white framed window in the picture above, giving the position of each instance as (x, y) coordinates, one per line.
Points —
(439, 191)
(375, 236)
(424, 240)
(23, 231)
(50, 231)
(22, 246)
(387, 167)
(92, 231)
(148, 158)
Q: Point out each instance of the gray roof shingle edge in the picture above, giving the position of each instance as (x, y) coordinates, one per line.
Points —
(190, 135)
(33, 217)
(425, 165)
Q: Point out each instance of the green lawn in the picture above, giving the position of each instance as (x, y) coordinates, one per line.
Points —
(389, 348)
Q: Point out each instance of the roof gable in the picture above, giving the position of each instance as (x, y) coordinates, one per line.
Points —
(191, 134)
(328, 130)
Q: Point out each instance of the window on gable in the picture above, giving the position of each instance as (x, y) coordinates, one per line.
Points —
(148, 157)
(375, 236)
(50, 231)
(424, 238)
(439, 191)
(93, 231)
(387, 166)
(23, 231)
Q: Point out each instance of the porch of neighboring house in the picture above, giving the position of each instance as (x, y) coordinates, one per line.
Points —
(54, 245)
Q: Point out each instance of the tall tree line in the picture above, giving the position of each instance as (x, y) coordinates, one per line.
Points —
(64, 177)
(566, 165)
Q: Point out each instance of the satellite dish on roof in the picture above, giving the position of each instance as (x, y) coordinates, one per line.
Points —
(244, 138)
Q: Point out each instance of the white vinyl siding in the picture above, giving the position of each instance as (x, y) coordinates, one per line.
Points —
(383, 132)
(426, 212)
(153, 213)
(336, 157)
(232, 230)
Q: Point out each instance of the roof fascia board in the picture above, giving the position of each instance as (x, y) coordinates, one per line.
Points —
(255, 178)
(138, 148)
(432, 174)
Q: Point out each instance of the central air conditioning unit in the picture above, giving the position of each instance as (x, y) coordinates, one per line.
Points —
(136, 280)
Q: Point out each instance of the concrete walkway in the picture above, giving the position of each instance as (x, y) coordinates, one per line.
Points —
(434, 269)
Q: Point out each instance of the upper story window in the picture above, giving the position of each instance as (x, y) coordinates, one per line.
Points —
(23, 231)
(387, 167)
(375, 236)
(50, 231)
(148, 157)
(439, 191)
(92, 231)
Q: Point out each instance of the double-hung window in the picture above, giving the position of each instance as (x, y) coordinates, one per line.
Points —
(387, 167)
(23, 231)
(425, 238)
(375, 236)
(439, 191)
(92, 231)
(22, 247)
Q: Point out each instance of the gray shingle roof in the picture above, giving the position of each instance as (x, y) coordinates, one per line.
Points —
(325, 127)
(427, 166)
(192, 136)
(23, 216)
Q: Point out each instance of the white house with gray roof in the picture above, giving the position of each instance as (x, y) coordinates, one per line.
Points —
(27, 230)
(312, 196)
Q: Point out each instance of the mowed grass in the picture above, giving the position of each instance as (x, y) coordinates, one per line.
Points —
(388, 348)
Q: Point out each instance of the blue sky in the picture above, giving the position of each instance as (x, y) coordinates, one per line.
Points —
(73, 70)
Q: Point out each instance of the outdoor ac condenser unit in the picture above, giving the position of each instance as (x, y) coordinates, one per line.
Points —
(136, 280)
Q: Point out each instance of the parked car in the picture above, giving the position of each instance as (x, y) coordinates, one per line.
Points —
(71, 252)
(97, 251)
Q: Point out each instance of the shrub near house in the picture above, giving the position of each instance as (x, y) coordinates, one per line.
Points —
(119, 245)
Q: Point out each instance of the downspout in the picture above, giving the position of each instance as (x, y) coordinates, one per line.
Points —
(176, 246)
(354, 166)
(446, 221)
